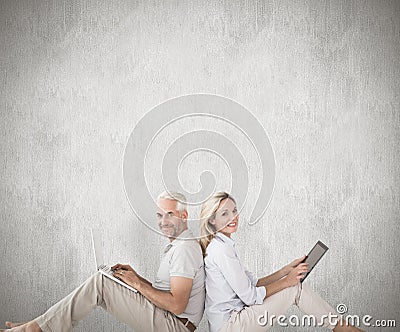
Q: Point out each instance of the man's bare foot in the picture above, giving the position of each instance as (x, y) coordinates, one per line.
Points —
(25, 327)
(11, 324)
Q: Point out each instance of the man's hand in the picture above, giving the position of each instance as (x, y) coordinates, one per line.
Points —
(122, 267)
(288, 268)
(129, 277)
(127, 274)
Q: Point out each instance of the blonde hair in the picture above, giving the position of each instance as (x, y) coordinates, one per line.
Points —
(181, 203)
(208, 209)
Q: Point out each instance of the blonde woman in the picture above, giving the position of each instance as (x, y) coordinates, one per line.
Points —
(235, 299)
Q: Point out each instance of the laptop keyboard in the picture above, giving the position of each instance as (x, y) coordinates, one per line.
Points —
(106, 269)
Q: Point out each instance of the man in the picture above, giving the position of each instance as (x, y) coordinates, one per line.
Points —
(174, 302)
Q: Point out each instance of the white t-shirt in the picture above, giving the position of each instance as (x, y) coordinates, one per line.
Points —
(184, 258)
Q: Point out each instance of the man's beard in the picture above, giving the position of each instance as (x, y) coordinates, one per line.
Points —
(172, 231)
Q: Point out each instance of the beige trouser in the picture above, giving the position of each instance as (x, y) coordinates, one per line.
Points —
(127, 306)
(258, 317)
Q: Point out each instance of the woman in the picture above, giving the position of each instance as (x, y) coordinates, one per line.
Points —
(235, 299)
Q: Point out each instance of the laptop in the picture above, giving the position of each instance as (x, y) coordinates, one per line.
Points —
(99, 258)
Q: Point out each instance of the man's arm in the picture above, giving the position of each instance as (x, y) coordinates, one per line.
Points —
(174, 301)
(143, 280)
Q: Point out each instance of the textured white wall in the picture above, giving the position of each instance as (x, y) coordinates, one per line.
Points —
(321, 76)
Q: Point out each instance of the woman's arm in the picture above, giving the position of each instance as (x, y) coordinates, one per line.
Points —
(280, 273)
(291, 279)
(265, 281)
(275, 287)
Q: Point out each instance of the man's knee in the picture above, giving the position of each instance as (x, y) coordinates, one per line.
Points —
(95, 282)
(95, 278)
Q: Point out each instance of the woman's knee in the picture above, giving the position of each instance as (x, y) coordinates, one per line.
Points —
(296, 291)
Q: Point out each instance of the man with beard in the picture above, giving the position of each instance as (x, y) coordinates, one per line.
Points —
(174, 302)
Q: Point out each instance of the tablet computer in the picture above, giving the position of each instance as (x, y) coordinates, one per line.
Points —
(314, 256)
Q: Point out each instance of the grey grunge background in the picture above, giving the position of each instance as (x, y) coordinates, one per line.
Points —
(322, 77)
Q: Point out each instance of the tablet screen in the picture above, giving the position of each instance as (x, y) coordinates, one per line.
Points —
(314, 256)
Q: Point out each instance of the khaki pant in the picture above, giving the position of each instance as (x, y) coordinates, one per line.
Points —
(129, 307)
(257, 317)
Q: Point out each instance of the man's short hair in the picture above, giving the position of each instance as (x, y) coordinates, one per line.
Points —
(181, 203)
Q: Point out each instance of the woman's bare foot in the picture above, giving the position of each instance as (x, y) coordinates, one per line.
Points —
(23, 327)
(343, 327)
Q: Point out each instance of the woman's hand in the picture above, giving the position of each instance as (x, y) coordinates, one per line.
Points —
(287, 268)
(296, 274)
